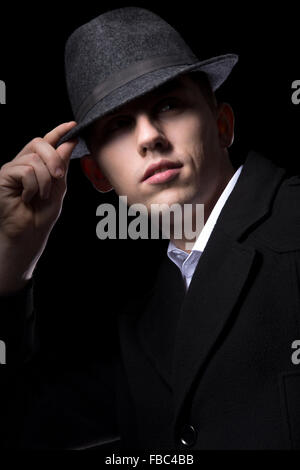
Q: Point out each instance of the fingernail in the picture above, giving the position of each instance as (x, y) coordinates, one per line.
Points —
(59, 173)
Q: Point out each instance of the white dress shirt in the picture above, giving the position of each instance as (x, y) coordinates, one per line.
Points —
(187, 262)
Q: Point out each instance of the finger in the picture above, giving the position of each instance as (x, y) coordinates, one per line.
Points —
(42, 173)
(21, 177)
(58, 132)
(51, 137)
(48, 155)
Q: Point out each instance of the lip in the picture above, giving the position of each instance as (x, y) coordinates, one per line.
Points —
(164, 176)
(171, 170)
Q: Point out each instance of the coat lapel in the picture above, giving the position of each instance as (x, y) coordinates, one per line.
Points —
(223, 274)
(209, 307)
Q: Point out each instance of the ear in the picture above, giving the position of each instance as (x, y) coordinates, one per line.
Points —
(225, 122)
(91, 170)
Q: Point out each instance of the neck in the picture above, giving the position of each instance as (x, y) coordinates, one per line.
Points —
(209, 201)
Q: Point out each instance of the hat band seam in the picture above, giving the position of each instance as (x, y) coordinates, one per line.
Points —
(119, 79)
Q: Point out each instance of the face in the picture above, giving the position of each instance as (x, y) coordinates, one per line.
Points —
(163, 148)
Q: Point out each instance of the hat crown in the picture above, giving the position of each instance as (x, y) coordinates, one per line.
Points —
(113, 41)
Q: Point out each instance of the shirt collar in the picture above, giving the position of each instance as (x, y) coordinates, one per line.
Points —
(212, 219)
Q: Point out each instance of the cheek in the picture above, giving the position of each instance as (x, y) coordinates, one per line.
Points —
(119, 167)
(189, 138)
(190, 130)
(202, 138)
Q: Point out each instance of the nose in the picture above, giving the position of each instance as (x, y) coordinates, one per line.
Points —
(149, 137)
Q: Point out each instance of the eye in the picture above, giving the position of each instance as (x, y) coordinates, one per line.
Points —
(117, 124)
(169, 104)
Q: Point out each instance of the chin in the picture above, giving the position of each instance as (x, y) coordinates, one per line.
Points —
(170, 197)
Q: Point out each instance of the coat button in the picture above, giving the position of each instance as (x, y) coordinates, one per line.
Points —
(188, 435)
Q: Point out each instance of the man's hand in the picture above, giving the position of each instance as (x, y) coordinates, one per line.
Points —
(32, 188)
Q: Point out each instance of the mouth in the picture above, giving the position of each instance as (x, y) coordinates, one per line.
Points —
(162, 172)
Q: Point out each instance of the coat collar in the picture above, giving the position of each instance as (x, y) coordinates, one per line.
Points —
(192, 323)
(252, 195)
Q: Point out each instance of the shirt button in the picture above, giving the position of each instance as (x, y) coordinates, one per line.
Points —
(188, 435)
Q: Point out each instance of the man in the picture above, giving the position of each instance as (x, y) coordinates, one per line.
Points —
(205, 357)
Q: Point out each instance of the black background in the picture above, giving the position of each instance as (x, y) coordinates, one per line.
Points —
(81, 280)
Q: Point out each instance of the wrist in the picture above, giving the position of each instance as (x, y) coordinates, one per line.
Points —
(15, 271)
(14, 288)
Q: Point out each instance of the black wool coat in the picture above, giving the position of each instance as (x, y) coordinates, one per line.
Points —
(209, 369)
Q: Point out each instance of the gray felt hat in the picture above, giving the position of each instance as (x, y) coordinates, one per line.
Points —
(121, 55)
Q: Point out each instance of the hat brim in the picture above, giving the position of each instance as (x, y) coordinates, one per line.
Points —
(216, 68)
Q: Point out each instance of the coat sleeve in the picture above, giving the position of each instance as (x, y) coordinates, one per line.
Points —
(17, 321)
(44, 407)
